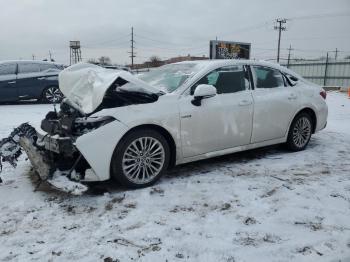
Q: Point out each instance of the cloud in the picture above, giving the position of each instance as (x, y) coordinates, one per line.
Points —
(165, 27)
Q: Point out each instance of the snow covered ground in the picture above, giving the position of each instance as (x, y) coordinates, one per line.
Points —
(263, 205)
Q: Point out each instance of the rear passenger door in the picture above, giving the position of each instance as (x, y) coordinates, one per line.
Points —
(275, 104)
(30, 82)
(8, 85)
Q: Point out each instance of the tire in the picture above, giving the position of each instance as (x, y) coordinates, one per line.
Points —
(300, 132)
(133, 167)
(51, 94)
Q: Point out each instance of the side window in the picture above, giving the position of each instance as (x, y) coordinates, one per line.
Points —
(267, 77)
(45, 67)
(228, 79)
(7, 69)
(24, 68)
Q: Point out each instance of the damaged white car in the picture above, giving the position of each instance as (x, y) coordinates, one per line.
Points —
(116, 125)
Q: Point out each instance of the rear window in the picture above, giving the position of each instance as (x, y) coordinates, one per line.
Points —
(7, 69)
(24, 68)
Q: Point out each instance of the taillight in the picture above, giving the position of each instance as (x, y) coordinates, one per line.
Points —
(323, 94)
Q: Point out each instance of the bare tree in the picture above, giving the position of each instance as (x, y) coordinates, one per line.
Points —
(347, 57)
(105, 60)
(155, 61)
(92, 61)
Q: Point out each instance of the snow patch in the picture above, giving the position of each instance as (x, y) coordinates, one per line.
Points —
(60, 181)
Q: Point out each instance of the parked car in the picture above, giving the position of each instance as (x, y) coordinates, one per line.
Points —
(117, 67)
(114, 124)
(25, 80)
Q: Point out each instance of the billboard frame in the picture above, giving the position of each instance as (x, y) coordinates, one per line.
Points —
(214, 43)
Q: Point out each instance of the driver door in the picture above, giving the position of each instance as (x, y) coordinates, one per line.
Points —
(220, 122)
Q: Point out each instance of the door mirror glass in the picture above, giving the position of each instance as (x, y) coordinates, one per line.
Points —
(201, 92)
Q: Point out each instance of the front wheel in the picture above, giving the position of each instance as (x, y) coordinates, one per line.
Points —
(52, 94)
(300, 132)
(140, 159)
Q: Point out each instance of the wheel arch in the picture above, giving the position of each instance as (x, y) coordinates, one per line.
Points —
(165, 133)
(311, 113)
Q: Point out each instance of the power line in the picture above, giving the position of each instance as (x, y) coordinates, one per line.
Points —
(316, 16)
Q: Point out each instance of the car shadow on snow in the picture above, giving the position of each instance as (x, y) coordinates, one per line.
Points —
(199, 167)
(187, 170)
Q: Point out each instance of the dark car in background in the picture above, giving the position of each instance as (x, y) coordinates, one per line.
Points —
(27, 80)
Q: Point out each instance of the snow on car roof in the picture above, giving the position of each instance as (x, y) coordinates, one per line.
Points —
(29, 61)
(226, 62)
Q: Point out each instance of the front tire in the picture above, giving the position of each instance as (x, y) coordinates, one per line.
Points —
(52, 94)
(140, 159)
(300, 132)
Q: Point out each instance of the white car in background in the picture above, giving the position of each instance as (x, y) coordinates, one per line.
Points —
(116, 125)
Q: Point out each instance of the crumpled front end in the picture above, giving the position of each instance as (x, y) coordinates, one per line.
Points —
(52, 150)
(76, 144)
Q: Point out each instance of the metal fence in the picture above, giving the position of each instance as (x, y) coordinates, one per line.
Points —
(325, 72)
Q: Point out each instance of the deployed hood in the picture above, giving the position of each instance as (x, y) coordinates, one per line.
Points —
(85, 85)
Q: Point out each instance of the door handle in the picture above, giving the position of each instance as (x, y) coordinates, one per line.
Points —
(41, 78)
(12, 82)
(245, 103)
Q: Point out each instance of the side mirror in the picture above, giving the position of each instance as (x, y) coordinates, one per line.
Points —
(203, 92)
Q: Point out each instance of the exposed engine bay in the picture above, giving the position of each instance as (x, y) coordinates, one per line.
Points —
(52, 149)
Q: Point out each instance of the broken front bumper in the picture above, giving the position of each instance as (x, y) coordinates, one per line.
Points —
(42, 164)
(45, 166)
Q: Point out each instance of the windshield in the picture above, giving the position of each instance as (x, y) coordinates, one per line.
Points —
(170, 77)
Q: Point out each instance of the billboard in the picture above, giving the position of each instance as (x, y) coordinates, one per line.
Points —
(229, 50)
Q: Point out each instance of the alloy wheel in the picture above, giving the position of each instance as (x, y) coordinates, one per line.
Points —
(302, 132)
(53, 95)
(143, 160)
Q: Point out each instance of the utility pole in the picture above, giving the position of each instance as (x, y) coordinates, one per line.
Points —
(33, 56)
(289, 49)
(325, 71)
(280, 28)
(132, 53)
(336, 54)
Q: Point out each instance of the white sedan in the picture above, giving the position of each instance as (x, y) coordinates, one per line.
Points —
(114, 124)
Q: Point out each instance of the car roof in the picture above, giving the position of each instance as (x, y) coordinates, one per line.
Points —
(222, 62)
(29, 61)
(215, 63)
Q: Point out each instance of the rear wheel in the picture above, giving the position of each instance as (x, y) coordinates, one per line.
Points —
(140, 159)
(300, 132)
(52, 94)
